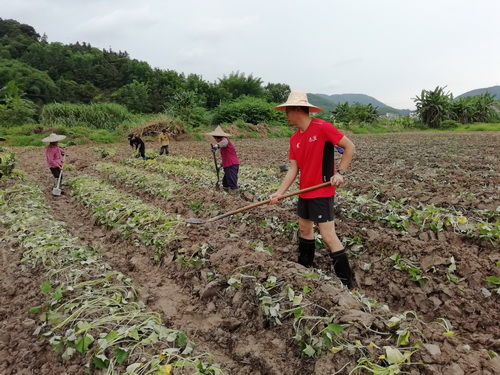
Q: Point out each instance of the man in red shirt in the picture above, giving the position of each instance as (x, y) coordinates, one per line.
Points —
(312, 153)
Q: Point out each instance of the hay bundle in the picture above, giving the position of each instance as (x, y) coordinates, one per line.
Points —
(152, 128)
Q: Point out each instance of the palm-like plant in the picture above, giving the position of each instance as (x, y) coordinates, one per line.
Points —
(434, 106)
(483, 107)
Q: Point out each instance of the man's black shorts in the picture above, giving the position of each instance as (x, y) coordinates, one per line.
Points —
(319, 210)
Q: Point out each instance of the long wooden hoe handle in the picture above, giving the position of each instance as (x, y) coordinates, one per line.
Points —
(257, 204)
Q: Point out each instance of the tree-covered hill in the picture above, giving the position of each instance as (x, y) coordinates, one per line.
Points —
(330, 102)
(79, 73)
(494, 90)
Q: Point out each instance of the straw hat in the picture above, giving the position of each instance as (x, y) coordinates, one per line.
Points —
(53, 138)
(218, 132)
(298, 99)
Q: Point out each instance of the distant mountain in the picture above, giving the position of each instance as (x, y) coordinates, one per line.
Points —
(329, 102)
(494, 90)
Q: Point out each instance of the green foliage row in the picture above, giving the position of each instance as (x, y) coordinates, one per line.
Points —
(423, 217)
(90, 310)
(133, 219)
(154, 184)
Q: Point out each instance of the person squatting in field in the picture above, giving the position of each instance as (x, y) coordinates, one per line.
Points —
(164, 138)
(137, 143)
(54, 155)
(230, 161)
(311, 152)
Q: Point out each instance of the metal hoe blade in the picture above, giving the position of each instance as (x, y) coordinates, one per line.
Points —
(56, 191)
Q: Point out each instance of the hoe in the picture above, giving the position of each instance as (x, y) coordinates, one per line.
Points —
(57, 189)
(194, 220)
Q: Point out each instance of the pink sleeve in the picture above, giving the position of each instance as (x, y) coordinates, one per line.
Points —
(48, 156)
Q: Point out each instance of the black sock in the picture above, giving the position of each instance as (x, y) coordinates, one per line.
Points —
(306, 252)
(342, 267)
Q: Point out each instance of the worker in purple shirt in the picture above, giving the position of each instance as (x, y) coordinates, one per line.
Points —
(230, 161)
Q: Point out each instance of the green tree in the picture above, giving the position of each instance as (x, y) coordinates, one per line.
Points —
(15, 110)
(15, 38)
(276, 92)
(248, 109)
(139, 71)
(363, 113)
(237, 84)
(216, 95)
(135, 96)
(346, 113)
(73, 92)
(433, 107)
(483, 107)
(37, 85)
(163, 86)
(342, 112)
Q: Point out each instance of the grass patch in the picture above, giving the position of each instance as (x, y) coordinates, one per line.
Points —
(378, 128)
(482, 127)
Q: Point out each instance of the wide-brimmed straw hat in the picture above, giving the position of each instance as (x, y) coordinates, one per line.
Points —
(218, 132)
(298, 99)
(53, 138)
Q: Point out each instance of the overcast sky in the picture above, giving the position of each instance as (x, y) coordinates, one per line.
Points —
(389, 49)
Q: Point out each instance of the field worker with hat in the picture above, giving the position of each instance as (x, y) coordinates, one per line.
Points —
(311, 153)
(230, 161)
(164, 138)
(54, 154)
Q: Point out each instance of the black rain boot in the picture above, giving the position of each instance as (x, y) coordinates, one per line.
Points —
(306, 252)
(342, 267)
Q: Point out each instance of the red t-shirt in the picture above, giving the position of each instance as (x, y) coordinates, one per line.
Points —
(313, 151)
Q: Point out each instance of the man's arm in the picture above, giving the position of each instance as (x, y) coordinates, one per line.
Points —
(287, 181)
(348, 154)
(349, 149)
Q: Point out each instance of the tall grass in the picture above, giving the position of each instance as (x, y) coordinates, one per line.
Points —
(96, 115)
(32, 135)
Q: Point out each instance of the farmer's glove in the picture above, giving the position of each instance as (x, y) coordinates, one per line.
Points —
(214, 147)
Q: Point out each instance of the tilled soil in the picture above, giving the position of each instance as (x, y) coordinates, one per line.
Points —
(22, 352)
(227, 324)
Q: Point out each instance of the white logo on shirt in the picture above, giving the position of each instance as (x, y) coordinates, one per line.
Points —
(313, 138)
(298, 145)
